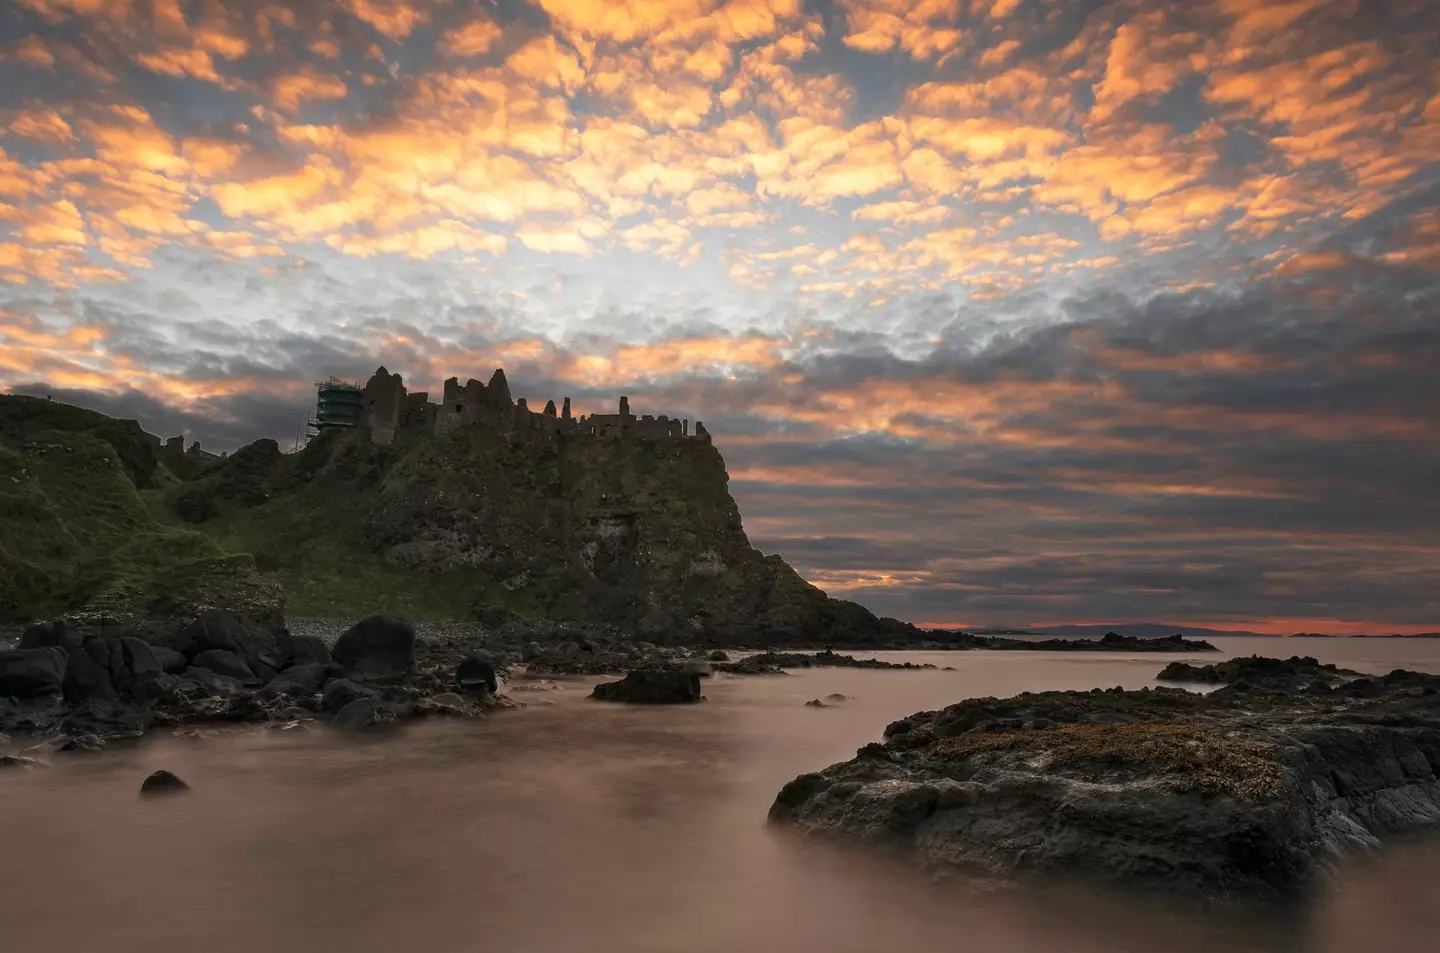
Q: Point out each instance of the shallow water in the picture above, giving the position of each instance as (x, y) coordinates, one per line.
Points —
(575, 825)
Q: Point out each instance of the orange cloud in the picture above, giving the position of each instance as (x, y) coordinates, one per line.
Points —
(181, 62)
(42, 125)
(473, 39)
(289, 92)
(32, 52)
(395, 19)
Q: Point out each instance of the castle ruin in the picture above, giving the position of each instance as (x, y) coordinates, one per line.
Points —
(387, 409)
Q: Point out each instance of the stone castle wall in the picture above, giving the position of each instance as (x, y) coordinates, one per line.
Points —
(387, 409)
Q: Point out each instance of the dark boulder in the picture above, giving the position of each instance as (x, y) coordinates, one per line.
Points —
(163, 782)
(342, 692)
(170, 660)
(219, 629)
(300, 649)
(653, 688)
(211, 683)
(32, 673)
(476, 674)
(58, 634)
(107, 669)
(377, 646)
(296, 680)
(87, 679)
(223, 662)
(358, 714)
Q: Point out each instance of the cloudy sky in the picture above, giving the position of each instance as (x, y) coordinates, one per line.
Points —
(1001, 311)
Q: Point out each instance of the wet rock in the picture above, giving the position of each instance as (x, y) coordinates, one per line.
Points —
(816, 703)
(356, 715)
(32, 673)
(837, 697)
(697, 667)
(17, 761)
(58, 634)
(377, 646)
(449, 703)
(1244, 794)
(766, 663)
(476, 674)
(264, 672)
(719, 655)
(1292, 674)
(162, 783)
(651, 688)
(304, 679)
(224, 662)
(342, 692)
(85, 744)
(154, 689)
(211, 683)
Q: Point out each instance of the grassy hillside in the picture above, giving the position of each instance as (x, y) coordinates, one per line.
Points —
(81, 511)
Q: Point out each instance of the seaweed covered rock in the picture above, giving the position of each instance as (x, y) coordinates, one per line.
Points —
(651, 688)
(1228, 797)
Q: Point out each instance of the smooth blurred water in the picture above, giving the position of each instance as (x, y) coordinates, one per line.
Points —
(579, 825)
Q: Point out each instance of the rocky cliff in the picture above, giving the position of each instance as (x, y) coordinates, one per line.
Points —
(641, 534)
(638, 533)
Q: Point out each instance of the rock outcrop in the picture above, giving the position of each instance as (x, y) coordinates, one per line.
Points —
(766, 663)
(1239, 795)
(651, 688)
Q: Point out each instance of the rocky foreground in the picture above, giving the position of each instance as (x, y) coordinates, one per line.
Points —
(73, 688)
(1244, 794)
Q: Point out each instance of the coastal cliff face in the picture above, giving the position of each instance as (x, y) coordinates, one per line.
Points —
(634, 532)
(637, 533)
(1243, 795)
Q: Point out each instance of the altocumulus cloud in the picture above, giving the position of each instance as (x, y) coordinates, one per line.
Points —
(1002, 311)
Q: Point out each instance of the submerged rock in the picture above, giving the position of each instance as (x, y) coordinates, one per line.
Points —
(766, 663)
(162, 782)
(651, 688)
(1238, 795)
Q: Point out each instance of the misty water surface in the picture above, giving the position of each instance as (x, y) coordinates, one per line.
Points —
(573, 825)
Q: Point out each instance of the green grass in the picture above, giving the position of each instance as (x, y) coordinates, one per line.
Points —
(72, 525)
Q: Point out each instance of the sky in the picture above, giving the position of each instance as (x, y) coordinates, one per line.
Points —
(1002, 312)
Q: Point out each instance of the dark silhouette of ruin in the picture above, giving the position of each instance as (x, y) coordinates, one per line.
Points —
(387, 408)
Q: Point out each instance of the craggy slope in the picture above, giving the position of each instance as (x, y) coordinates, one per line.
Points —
(638, 533)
